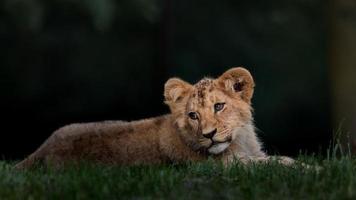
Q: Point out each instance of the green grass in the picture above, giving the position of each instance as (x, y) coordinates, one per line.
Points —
(337, 180)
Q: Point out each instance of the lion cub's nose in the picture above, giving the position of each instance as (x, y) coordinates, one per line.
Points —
(210, 134)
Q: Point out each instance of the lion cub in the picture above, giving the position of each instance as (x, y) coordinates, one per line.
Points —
(212, 118)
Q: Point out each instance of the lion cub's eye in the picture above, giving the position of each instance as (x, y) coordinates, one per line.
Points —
(219, 106)
(193, 115)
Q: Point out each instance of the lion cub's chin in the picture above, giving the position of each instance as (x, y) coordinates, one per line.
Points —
(218, 148)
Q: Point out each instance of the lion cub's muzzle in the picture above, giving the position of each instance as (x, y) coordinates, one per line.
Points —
(219, 147)
(210, 134)
(215, 145)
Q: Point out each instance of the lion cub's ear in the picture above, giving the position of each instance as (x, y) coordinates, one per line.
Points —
(238, 81)
(175, 90)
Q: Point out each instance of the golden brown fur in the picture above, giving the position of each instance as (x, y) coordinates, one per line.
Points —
(212, 118)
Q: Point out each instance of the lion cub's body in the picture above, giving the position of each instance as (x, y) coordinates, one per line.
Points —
(149, 141)
(213, 118)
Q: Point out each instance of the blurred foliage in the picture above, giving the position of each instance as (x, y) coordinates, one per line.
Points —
(31, 15)
(65, 61)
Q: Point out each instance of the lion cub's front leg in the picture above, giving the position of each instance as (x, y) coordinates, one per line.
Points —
(230, 159)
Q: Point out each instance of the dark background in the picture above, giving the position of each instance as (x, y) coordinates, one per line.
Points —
(65, 61)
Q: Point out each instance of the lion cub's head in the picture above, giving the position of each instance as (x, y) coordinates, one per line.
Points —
(210, 113)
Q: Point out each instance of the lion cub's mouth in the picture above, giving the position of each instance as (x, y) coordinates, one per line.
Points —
(218, 147)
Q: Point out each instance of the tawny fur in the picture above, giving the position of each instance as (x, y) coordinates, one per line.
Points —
(172, 138)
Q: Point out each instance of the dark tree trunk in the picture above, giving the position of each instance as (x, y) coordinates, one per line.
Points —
(343, 68)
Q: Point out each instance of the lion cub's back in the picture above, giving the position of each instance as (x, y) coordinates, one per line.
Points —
(78, 129)
(87, 141)
(117, 142)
